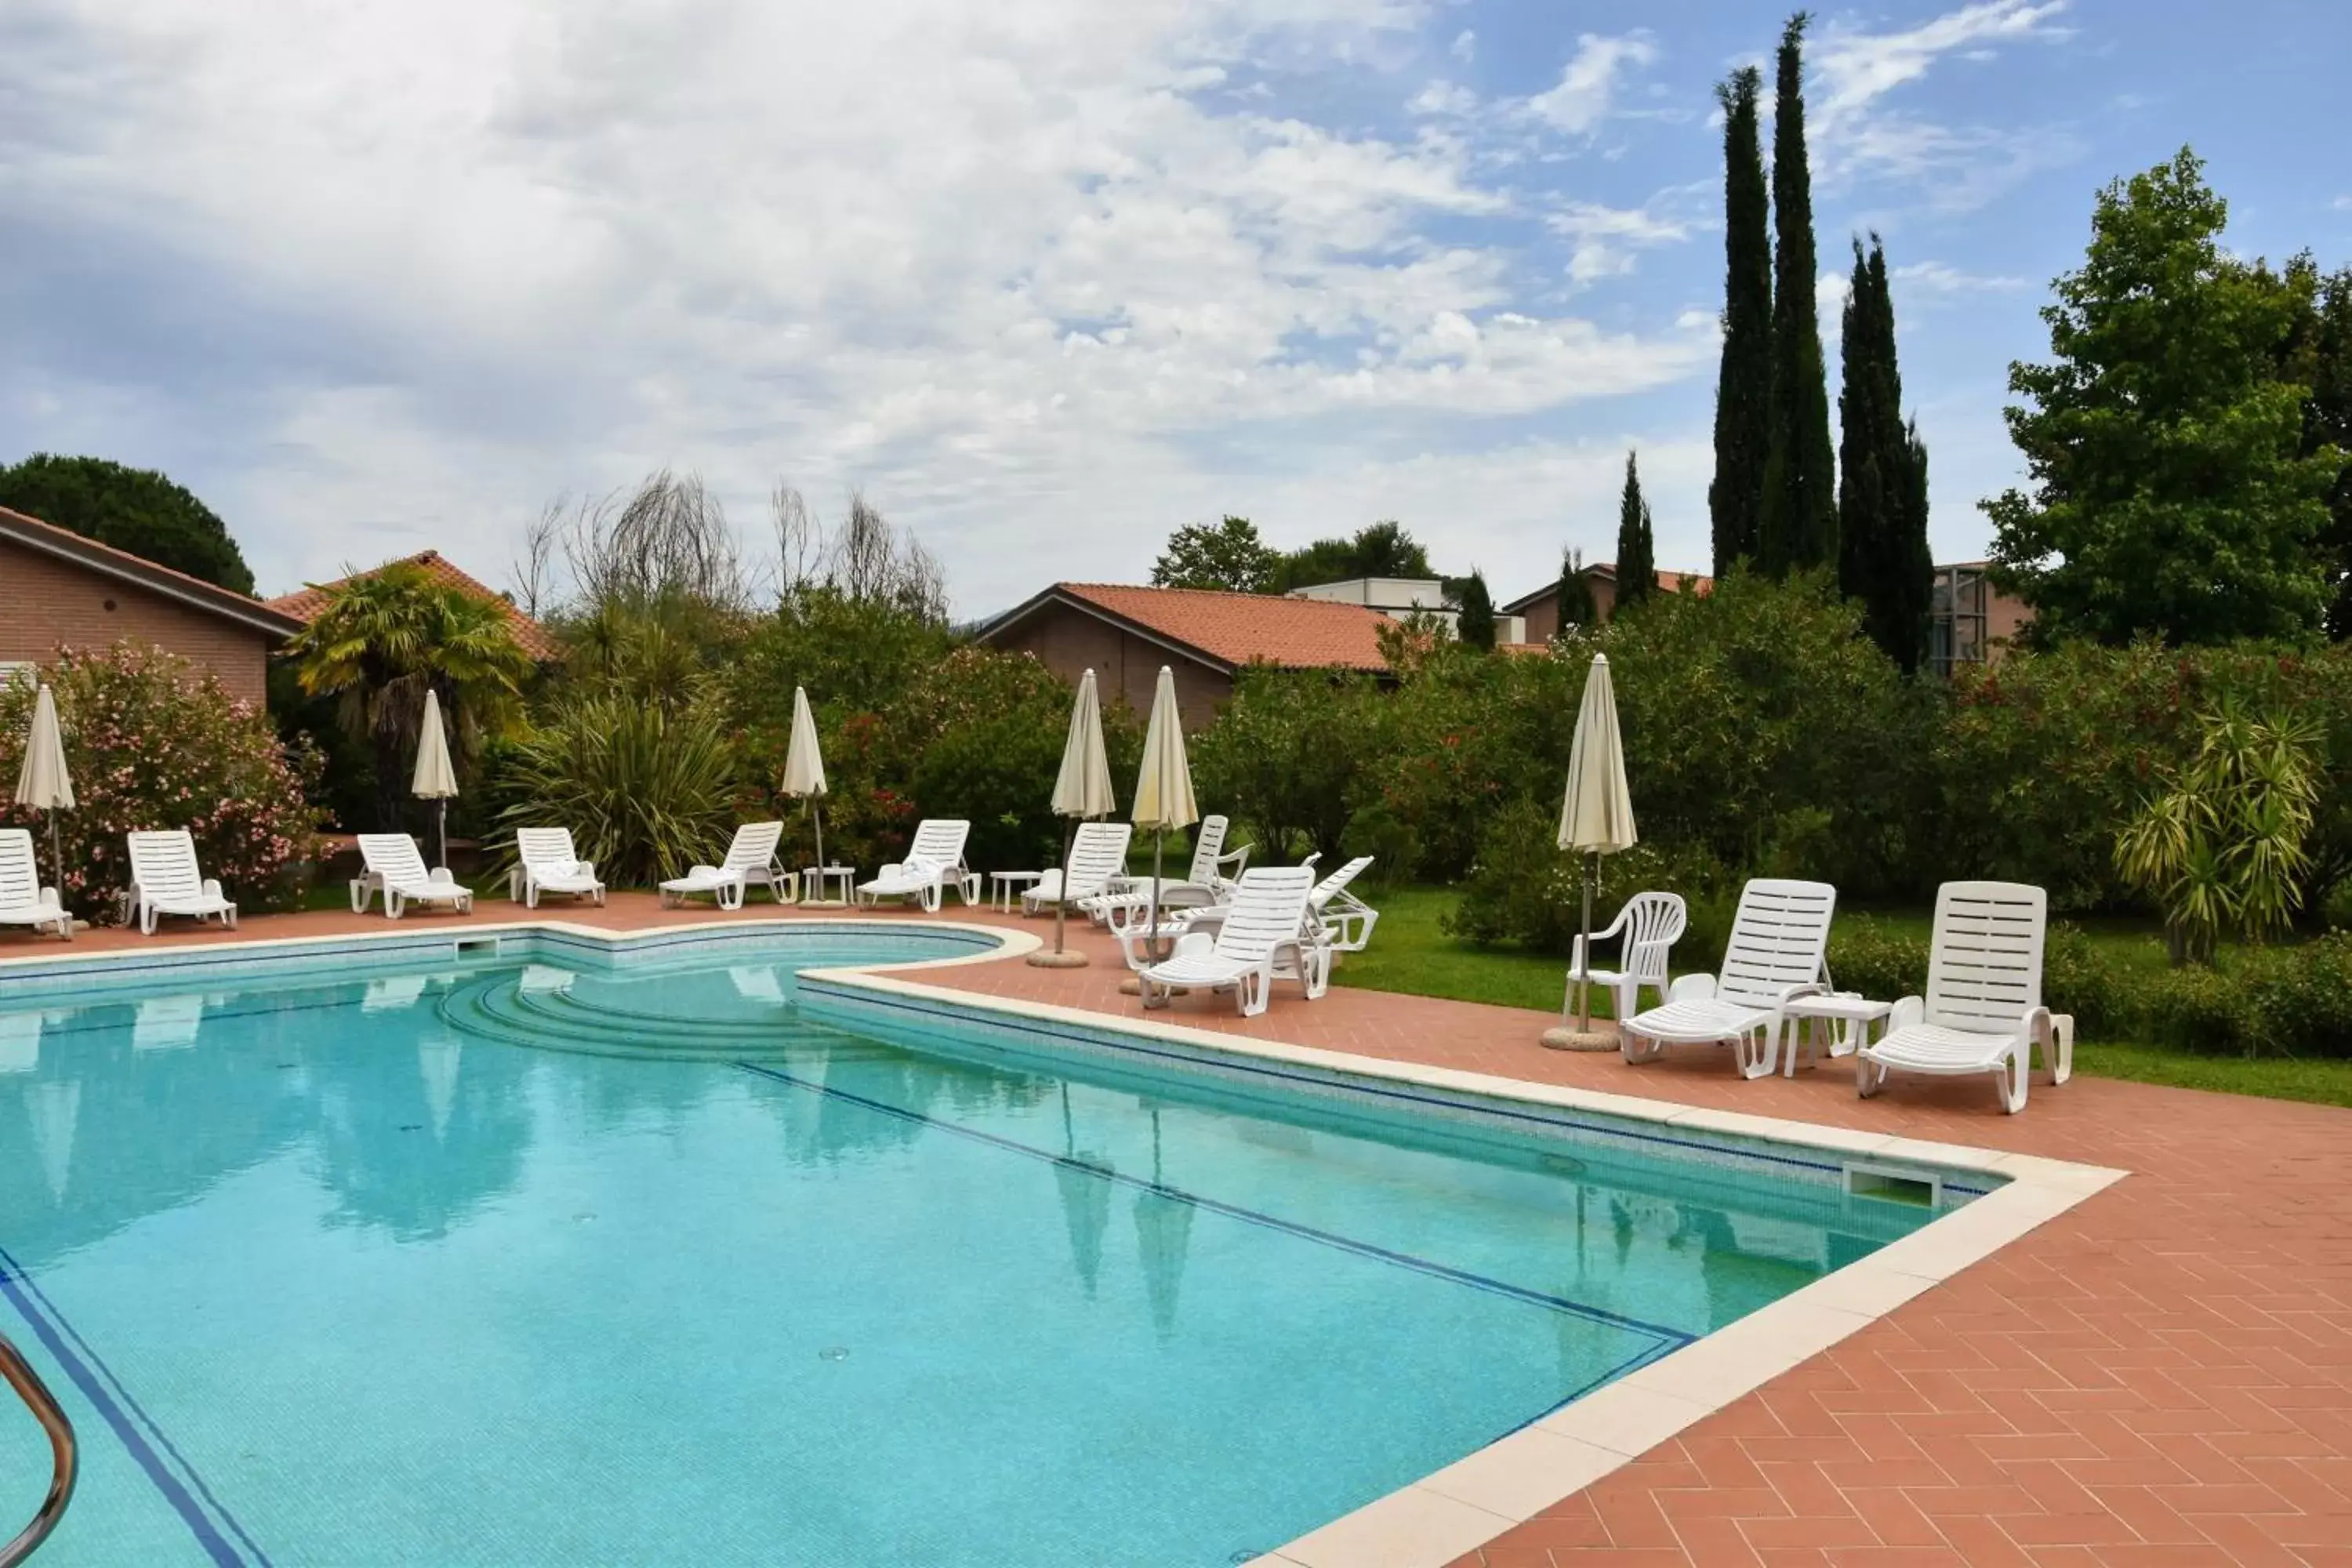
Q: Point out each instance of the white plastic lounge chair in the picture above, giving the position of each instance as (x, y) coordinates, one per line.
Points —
(934, 863)
(1261, 938)
(1346, 920)
(1097, 855)
(1983, 1011)
(544, 863)
(23, 901)
(1778, 939)
(1649, 925)
(1208, 880)
(392, 858)
(750, 858)
(164, 881)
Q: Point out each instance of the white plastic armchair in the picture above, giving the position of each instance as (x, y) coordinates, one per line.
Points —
(1098, 856)
(1982, 1012)
(394, 865)
(934, 863)
(166, 881)
(545, 863)
(1647, 928)
(23, 901)
(1780, 937)
(1261, 939)
(750, 858)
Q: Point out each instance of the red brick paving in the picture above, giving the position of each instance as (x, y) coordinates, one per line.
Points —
(2161, 1376)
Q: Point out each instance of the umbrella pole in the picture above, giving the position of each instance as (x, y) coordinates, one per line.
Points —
(1151, 933)
(817, 815)
(441, 815)
(1062, 885)
(1584, 985)
(56, 857)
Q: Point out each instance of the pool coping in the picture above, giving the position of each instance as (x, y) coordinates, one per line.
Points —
(1433, 1521)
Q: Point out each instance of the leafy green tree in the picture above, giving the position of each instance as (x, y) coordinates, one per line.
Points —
(386, 638)
(136, 510)
(1575, 592)
(1883, 554)
(2170, 490)
(1380, 549)
(1798, 529)
(1474, 620)
(1637, 561)
(1743, 388)
(2327, 370)
(1290, 756)
(1228, 556)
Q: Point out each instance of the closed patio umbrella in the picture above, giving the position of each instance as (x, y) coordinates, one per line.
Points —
(1081, 792)
(42, 783)
(434, 779)
(1164, 786)
(1596, 818)
(804, 770)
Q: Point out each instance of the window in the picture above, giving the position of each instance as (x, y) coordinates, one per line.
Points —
(1957, 618)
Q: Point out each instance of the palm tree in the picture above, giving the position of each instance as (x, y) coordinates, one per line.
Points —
(385, 639)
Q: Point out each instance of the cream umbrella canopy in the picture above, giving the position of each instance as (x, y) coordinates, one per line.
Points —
(434, 779)
(804, 766)
(1596, 816)
(42, 783)
(1081, 792)
(1163, 785)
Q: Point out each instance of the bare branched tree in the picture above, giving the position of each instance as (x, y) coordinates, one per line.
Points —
(800, 541)
(666, 540)
(533, 568)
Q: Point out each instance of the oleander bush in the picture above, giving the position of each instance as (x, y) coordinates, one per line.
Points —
(151, 743)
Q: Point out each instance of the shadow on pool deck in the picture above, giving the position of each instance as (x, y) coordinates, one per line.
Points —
(2163, 1374)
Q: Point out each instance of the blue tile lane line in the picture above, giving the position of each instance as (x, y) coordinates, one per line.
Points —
(1666, 1339)
(130, 1424)
(1134, 1044)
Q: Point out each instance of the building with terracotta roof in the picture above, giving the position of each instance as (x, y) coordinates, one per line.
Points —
(305, 602)
(1125, 634)
(59, 589)
(1540, 609)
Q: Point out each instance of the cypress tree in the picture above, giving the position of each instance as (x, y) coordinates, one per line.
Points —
(1743, 388)
(1882, 556)
(1576, 606)
(1637, 561)
(1799, 527)
(1473, 617)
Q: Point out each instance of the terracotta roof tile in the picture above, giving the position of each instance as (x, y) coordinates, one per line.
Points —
(147, 574)
(305, 602)
(1236, 628)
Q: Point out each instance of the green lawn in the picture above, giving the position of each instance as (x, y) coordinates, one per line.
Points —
(1410, 954)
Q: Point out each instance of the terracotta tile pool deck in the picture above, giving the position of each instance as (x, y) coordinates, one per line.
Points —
(2161, 1376)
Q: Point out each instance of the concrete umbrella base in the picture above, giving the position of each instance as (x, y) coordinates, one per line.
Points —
(1048, 959)
(1563, 1038)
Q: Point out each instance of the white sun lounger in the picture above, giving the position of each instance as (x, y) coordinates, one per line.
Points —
(1208, 880)
(165, 881)
(394, 862)
(1778, 938)
(23, 901)
(750, 858)
(1262, 936)
(934, 863)
(1097, 855)
(1982, 1012)
(544, 863)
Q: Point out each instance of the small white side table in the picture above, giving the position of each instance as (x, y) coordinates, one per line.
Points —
(1839, 1024)
(1002, 885)
(819, 879)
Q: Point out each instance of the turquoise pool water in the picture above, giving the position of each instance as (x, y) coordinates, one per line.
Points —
(564, 1263)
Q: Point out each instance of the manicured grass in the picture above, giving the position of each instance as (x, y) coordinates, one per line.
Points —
(1410, 954)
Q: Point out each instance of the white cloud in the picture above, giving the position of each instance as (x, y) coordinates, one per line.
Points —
(1604, 240)
(1586, 89)
(1858, 135)
(1465, 46)
(1017, 269)
(1941, 277)
(2343, 203)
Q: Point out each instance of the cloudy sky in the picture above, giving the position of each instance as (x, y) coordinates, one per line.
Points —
(1044, 278)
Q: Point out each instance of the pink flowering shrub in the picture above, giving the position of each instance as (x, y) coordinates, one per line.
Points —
(151, 744)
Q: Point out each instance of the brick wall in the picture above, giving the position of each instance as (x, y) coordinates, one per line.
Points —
(45, 601)
(1069, 642)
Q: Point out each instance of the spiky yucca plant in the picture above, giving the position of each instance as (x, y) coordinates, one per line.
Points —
(646, 792)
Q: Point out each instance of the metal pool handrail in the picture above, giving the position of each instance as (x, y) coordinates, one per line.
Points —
(20, 1375)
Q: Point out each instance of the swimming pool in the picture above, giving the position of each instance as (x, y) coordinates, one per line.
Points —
(565, 1253)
